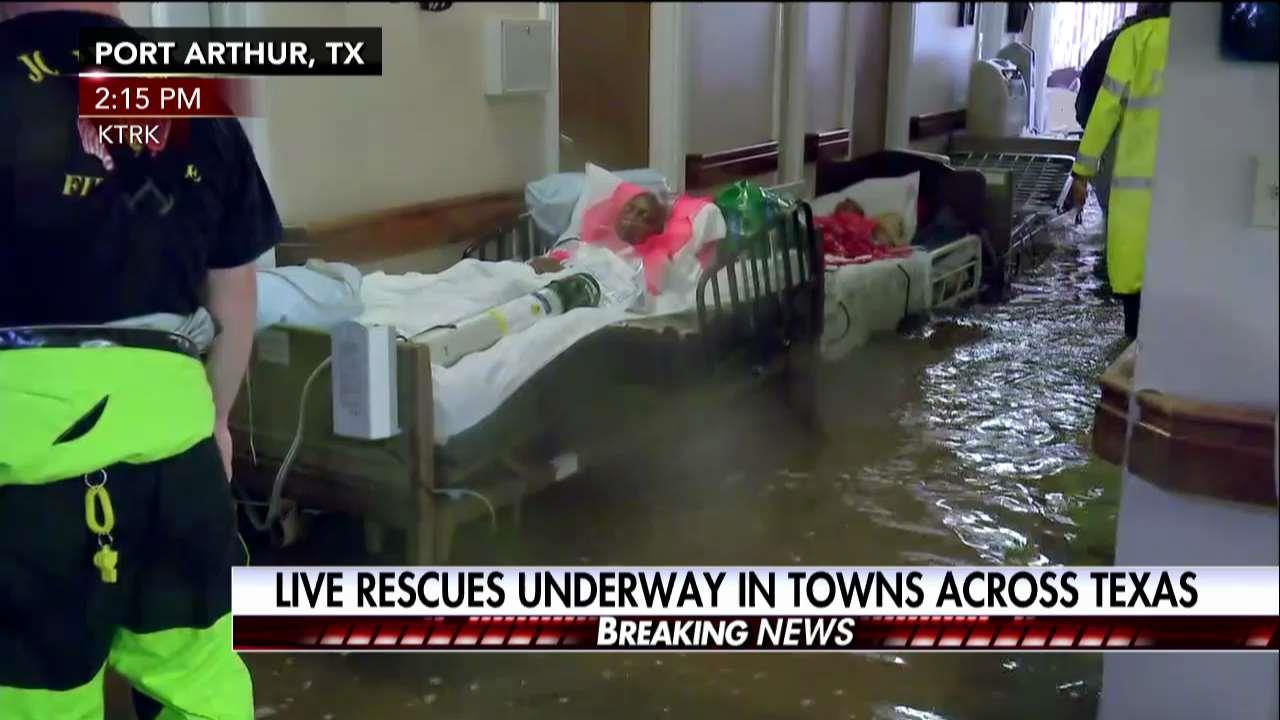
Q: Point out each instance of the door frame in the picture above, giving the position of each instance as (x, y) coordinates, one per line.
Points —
(902, 40)
(550, 12)
(668, 88)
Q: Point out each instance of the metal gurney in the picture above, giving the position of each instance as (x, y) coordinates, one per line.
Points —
(1027, 182)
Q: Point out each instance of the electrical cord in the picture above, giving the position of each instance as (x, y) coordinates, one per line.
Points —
(906, 305)
(445, 326)
(248, 389)
(456, 493)
(277, 487)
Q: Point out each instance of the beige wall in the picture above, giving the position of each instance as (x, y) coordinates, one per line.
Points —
(826, 66)
(422, 131)
(731, 75)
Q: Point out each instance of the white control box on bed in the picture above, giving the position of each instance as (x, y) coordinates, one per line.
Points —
(364, 381)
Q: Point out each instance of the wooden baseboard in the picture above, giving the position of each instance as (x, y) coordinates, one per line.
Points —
(369, 237)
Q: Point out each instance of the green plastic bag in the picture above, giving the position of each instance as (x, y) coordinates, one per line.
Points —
(750, 211)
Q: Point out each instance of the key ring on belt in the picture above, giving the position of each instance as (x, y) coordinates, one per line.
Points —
(100, 518)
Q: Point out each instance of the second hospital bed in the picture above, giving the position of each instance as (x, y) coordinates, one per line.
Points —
(948, 258)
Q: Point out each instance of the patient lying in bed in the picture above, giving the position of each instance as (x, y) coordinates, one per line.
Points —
(849, 235)
(635, 225)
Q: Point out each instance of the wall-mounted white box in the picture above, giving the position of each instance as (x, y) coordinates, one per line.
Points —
(519, 56)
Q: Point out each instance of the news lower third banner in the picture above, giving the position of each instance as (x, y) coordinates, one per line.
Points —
(1005, 609)
(314, 51)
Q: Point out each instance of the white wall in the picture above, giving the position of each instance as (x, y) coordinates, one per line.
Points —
(422, 131)
(1206, 267)
(942, 55)
(826, 61)
(731, 74)
(1208, 331)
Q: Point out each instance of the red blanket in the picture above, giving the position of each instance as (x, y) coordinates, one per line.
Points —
(849, 237)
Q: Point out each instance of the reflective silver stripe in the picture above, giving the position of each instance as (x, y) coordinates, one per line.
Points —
(1117, 88)
(1089, 162)
(1132, 183)
(1143, 103)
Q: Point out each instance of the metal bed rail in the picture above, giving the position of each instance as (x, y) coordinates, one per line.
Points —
(955, 272)
(766, 293)
(1032, 186)
(1040, 182)
(520, 240)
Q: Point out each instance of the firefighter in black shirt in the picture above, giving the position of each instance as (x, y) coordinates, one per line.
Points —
(127, 301)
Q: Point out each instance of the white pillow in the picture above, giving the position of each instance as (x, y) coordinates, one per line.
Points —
(598, 186)
(878, 196)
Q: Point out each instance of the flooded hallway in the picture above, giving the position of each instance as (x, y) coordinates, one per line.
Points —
(639, 361)
(962, 441)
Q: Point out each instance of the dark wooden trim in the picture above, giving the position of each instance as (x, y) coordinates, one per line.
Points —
(396, 232)
(1217, 451)
(706, 170)
(827, 145)
(934, 124)
(711, 169)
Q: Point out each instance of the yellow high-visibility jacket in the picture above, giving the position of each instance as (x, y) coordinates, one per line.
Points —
(1127, 105)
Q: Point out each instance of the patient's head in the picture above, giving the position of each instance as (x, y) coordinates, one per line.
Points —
(641, 216)
(890, 230)
(849, 205)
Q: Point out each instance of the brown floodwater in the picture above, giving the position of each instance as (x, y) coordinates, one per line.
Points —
(960, 441)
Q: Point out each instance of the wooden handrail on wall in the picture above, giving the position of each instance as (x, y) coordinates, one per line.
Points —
(704, 170)
(935, 124)
(369, 237)
(1185, 445)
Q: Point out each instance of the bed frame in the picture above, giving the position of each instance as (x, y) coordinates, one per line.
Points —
(673, 368)
(1028, 182)
(963, 191)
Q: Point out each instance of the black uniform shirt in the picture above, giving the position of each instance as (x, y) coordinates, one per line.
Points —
(81, 244)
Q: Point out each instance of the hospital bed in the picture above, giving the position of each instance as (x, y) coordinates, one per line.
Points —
(1028, 180)
(945, 268)
(610, 393)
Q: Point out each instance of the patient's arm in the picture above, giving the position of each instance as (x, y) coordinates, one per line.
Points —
(544, 264)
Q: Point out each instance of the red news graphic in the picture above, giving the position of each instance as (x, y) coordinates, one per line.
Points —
(793, 609)
(755, 634)
(140, 97)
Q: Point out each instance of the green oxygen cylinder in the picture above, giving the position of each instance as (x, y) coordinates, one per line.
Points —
(481, 331)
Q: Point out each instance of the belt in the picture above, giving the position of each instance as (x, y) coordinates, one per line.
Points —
(84, 336)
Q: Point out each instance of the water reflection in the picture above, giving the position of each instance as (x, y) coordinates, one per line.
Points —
(961, 442)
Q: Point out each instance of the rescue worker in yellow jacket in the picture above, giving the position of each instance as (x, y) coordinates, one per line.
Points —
(1128, 109)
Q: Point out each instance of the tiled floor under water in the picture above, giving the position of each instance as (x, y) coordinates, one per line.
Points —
(961, 442)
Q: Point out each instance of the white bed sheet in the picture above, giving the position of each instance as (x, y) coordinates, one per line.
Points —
(874, 297)
(477, 385)
(869, 298)
(474, 387)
